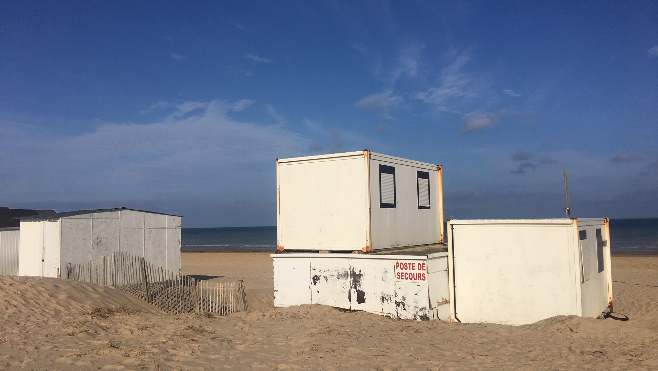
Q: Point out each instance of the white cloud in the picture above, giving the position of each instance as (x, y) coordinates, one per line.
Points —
(511, 93)
(243, 104)
(157, 106)
(186, 107)
(408, 62)
(272, 111)
(379, 102)
(177, 56)
(476, 121)
(201, 154)
(314, 126)
(257, 59)
(653, 51)
(453, 83)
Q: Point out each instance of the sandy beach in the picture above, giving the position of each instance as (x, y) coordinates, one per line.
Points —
(51, 324)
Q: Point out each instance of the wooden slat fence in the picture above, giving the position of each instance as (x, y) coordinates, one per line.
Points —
(171, 292)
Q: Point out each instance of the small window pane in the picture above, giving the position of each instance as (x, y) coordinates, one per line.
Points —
(423, 186)
(600, 243)
(387, 186)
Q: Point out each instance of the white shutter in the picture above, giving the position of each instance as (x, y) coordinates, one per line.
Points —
(387, 187)
(423, 192)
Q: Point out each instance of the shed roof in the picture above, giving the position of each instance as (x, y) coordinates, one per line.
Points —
(83, 212)
(9, 217)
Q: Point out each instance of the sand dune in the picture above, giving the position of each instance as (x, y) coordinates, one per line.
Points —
(62, 325)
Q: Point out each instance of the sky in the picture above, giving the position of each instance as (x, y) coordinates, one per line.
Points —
(184, 107)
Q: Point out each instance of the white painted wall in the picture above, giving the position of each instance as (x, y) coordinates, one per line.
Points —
(51, 248)
(406, 224)
(31, 249)
(372, 283)
(322, 203)
(596, 291)
(519, 271)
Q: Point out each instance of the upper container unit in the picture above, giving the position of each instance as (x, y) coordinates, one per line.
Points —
(357, 201)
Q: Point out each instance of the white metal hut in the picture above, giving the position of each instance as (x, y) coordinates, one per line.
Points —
(357, 201)
(10, 237)
(521, 271)
(49, 242)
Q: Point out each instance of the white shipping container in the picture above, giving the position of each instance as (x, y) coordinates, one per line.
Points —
(357, 201)
(522, 271)
(399, 286)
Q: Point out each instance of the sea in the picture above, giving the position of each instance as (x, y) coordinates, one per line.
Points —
(639, 235)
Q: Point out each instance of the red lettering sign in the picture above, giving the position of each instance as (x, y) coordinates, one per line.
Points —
(410, 271)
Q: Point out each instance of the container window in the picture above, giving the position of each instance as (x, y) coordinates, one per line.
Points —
(423, 189)
(386, 186)
(599, 249)
(582, 235)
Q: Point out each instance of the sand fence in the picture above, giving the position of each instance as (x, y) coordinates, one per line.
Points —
(171, 292)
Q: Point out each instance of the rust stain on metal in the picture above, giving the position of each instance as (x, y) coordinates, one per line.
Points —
(366, 249)
(444, 301)
(279, 247)
(439, 170)
(610, 306)
(366, 157)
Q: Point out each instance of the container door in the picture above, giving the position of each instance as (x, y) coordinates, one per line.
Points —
(50, 256)
(594, 278)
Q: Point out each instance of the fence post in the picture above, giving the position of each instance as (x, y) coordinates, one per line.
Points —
(145, 285)
(194, 297)
(68, 271)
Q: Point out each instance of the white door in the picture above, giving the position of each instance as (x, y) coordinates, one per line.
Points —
(50, 255)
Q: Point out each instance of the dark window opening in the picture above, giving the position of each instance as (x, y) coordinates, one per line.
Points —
(423, 189)
(582, 235)
(600, 243)
(387, 197)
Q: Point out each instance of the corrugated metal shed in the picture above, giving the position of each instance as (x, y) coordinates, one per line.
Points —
(49, 242)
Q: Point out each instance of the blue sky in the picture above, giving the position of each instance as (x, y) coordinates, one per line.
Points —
(183, 107)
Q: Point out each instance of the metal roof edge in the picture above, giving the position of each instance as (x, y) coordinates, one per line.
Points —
(558, 221)
(86, 211)
(373, 155)
(402, 161)
(320, 157)
(349, 256)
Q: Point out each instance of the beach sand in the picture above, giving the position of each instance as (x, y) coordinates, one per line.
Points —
(50, 324)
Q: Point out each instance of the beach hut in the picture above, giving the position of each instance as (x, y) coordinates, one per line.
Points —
(10, 237)
(522, 271)
(49, 242)
(357, 201)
